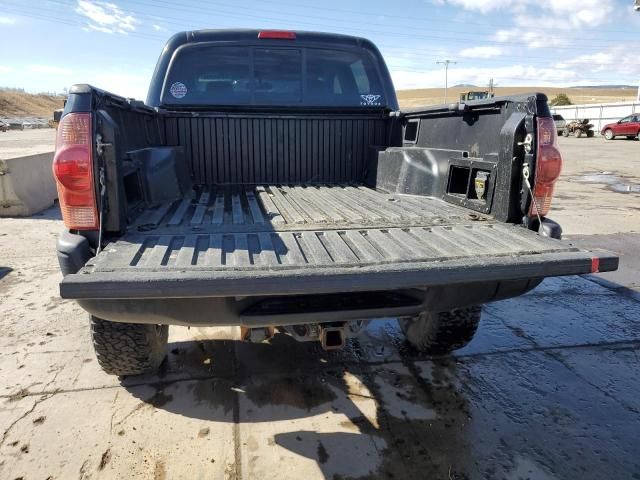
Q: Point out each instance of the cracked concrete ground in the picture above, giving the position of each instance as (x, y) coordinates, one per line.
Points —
(548, 389)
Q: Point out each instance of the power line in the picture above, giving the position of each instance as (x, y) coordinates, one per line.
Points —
(155, 38)
(421, 20)
(446, 76)
(459, 38)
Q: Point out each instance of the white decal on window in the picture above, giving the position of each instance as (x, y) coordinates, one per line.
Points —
(370, 100)
(178, 90)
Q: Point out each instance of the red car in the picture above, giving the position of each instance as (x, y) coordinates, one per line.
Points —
(628, 127)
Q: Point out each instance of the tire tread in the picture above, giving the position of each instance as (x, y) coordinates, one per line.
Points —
(441, 333)
(128, 348)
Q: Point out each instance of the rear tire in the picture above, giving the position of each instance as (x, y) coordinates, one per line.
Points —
(440, 333)
(565, 132)
(578, 133)
(608, 134)
(590, 133)
(128, 348)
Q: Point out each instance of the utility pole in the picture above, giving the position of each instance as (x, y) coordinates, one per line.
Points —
(446, 76)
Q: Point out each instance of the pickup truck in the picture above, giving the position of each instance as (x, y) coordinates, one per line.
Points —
(271, 182)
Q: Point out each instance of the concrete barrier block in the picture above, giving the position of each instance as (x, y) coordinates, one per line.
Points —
(26, 185)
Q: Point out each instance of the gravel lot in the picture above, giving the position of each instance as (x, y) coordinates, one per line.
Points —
(549, 388)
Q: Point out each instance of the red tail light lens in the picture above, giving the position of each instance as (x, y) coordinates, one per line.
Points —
(277, 34)
(72, 169)
(548, 167)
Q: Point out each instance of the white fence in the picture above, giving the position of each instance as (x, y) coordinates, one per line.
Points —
(598, 113)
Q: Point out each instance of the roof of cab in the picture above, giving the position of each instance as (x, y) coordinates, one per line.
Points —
(210, 35)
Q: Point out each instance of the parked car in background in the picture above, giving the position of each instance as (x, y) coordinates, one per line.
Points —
(560, 123)
(3, 126)
(628, 127)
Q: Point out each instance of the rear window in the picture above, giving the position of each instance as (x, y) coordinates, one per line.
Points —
(246, 75)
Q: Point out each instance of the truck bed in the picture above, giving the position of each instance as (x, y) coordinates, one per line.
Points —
(235, 209)
(275, 239)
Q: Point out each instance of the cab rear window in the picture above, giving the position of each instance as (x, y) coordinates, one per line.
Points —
(247, 75)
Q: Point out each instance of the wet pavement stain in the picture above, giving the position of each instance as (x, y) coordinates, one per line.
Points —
(105, 459)
(323, 456)
(160, 399)
(612, 181)
(304, 393)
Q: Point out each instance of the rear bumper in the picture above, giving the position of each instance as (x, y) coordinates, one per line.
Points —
(301, 309)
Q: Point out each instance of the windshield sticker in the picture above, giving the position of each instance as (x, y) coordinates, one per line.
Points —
(178, 90)
(370, 100)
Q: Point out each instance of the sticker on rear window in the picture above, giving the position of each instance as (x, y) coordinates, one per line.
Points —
(370, 100)
(178, 90)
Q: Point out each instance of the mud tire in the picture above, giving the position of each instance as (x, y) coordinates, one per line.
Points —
(441, 333)
(565, 132)
(578, 133)
(590, 133)
(128, 348)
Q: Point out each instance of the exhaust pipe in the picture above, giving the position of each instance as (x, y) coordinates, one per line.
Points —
(332, 338)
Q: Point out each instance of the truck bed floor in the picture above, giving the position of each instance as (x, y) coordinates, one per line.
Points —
(308, 207)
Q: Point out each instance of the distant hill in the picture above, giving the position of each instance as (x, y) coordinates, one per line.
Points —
(607, 86)
(20, 104)
(465, 85)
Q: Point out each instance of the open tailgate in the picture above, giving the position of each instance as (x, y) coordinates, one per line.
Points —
(324, 261)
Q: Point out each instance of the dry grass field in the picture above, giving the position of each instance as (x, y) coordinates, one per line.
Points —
(435, 96)
(28, 105)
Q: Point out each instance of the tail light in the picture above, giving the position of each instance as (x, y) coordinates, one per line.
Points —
(277, 34)
(72, 169)
(548, 167)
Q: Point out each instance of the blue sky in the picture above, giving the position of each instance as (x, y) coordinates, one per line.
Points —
(51, 44)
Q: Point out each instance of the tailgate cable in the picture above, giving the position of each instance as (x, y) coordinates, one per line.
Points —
(103, 188)
(525, 175)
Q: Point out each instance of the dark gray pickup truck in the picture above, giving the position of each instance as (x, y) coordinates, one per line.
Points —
(271, 182)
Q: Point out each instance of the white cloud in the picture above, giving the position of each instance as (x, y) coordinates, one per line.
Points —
(507, 75)
(158, 28)
(7, 21)
(557, 14)
(49, 69)
(621, 59)
(531, 38)
(481, 52)
(133, 85)
(483, 6)
(106, 17)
